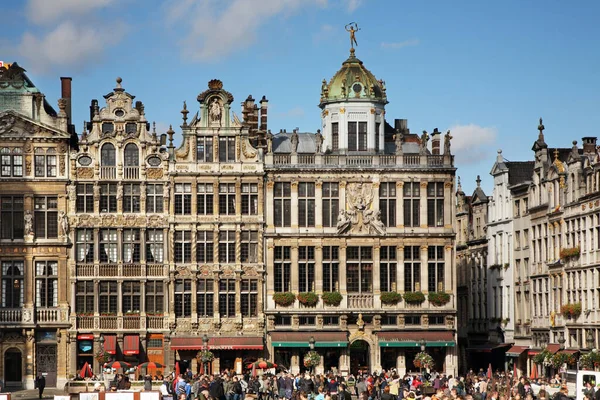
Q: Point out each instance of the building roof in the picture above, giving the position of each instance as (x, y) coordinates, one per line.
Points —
(519, 171)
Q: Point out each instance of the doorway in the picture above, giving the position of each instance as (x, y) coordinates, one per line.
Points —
(46, 363)
(13, 368)
(360, 357)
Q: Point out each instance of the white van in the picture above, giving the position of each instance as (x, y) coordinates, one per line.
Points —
(576, 381)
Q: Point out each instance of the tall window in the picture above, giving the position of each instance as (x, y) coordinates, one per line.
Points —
(45, 162)
(204, 199)
(227, 297)
(155, 250)
(12, 283)
(359, 269)
(412, 268)
(227, 247)
(331, 268)
(46, 283)
(412, 194)
(131, 198)
(282, 268)
(183, 247)
(108, 198)
(46, 217)
(108, 245)
(283, 204)
(108, 156)
(227, 198)
(435, 204)
(84, 297)
(154, 198)
(205, 297)
(12, 223)
(377, 127)
(85, 197)
(183, 297)
(335, 136)
(249, 248)
(204, 247)
(387, 269)
(357, 136)
(249, 198)
(204, 149)
(306, 268)
(435, 268)
(331, 201)
(132, 155)
(132, 295)
(227, 149)
(108, 297)
(85, 245)
(306, 204)
(11, 162)
(387, 203)
(249, 297)
(131, 245)
(183, 198)
(155, 297)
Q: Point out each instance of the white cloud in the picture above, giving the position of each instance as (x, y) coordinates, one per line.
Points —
(323, 34)
(472, 143)
(67, 45)
(399, 45)
(215, 29)
(47, 11)
(295, 112)
(352, 5)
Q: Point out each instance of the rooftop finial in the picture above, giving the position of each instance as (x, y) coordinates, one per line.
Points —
(119, 80)
(185, 113)
(478, 180)
(541, 129)
(459, 188)
(555, 154)
(352, 28)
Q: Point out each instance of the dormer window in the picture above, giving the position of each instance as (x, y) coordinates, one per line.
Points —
(357, 136)
(130, 128)
(107, 127)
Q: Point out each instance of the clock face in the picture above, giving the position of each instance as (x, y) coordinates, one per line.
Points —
(357, 88)
(85, 160)
(154, 161)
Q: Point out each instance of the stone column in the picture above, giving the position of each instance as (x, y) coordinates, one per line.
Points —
(319, 269)
(400, 269)
(194, 199)
(238, 197)
(448, 206)
(449, 266)
(376, 272)
(399, 204)
(269, 267)
(342, 272)
(269, 204)
(216, 210)
(342, 194)
(375, 192)
(423, 205)
(28, 379)
(294, 216)
(319, 204)
(295, 276)
(423, 283)
(371, 128)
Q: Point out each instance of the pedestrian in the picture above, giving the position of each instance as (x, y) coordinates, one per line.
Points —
(40, 382)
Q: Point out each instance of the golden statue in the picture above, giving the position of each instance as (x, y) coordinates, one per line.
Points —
(352, 27)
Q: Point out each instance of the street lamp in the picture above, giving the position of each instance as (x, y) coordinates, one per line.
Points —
(101, 340)
(311, 346)
(204, 350)
(423, 344)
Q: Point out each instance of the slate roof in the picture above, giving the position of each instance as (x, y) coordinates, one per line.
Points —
(307, 144)
(519, 171)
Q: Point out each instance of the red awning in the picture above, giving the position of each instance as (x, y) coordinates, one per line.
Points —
(533, 352)
(85, 336)
(516, 351)
(218, 343)
(131, 345)
(569, 351)
(110, 344)
(553, 348)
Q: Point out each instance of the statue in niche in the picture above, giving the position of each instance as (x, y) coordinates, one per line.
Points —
(215, 111)
(63, 222)
(294, 139)
(28, 222)
(318, 142)
(343, 221)
(447, 140)
(269, 142)
(424, 140)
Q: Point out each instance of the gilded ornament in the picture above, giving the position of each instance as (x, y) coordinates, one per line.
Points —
(248, 151)
(85, 173)
(154, 173)
(342, 110)
(183, 151)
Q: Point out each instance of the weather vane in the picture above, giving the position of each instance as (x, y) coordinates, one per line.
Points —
(352, 27)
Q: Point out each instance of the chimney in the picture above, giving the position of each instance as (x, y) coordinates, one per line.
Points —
(400, 125)
(264, 103)
(435, 141)
(589, 145)
(65, 89)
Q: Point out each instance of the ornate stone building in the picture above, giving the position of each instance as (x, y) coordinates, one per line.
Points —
(34, 143)
(362, 210)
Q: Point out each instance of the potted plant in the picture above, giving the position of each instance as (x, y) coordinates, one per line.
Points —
(332, 298)
(308, 299)
(312, 359)
(102, 356)
(284, 299)
(438, 298)
(590, 361)
(540, 358)
(571, 310)
(423, 360)
(205, 356)
(569, 252)
(414, 297)
(390, 298)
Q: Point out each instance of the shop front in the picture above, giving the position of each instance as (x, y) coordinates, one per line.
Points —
(517, 356)
(289, 348)
(46, 356)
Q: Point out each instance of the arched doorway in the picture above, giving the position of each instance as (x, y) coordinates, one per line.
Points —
(360, 357)
(13, 368)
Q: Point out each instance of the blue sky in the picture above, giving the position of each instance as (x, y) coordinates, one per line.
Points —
(486, 70)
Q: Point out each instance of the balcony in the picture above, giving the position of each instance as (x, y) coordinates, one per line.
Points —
(359, 160)
(131, 322)
(306, 159)
(131, 173)
(108, 172)
(10, 315)
(45, 315)
(128, 322)
(360, 301)
(126, 270)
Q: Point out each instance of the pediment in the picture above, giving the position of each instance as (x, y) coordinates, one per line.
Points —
(16, 126)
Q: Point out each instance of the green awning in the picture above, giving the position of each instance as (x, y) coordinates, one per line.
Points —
(305, 344)
(397, 343)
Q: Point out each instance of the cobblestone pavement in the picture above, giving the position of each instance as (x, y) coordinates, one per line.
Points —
(33, 394)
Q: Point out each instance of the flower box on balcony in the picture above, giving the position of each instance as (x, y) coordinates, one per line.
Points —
(414, 297)
(132, 313)
(569, 252)
(108, 314)
(332, 298)
(572, 310)
(390, 298)
(284, 299)
(155, 314)
(308, 299)
(438, 298)
(90, 314)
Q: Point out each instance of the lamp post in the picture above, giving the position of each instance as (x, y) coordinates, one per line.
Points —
(561, 342)
(101, 340)
(311, 346)
(204, 350)
(423, 344)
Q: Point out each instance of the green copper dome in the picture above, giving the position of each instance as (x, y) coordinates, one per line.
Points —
(353, 82)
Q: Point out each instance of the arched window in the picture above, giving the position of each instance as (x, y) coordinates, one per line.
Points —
(132, 156)
(108, 155)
